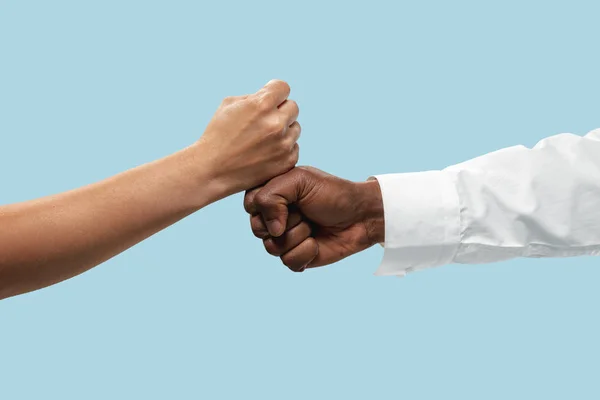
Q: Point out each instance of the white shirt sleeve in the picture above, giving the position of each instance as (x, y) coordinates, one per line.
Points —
(515, 202)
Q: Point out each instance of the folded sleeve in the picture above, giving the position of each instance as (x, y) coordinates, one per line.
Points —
(515, 202)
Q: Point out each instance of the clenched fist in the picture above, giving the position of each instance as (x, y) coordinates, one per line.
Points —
(252, 138)
(310, 218)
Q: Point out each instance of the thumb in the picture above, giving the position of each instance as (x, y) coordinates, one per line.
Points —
(273, 199)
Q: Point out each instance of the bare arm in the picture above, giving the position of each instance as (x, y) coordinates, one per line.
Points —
(45, 241)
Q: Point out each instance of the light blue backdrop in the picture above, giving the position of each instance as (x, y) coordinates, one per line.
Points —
(88, 89)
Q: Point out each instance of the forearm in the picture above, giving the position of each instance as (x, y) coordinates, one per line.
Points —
(51, 239)
(515, 202)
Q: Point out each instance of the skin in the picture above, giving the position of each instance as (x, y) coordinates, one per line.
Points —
(310, 218)
(249, 140)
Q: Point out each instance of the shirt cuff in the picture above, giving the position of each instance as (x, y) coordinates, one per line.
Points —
(422, 221)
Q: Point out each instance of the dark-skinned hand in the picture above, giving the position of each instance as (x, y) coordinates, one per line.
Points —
(310, 218)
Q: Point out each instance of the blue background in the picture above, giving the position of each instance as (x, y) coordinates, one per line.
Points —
(89, 89)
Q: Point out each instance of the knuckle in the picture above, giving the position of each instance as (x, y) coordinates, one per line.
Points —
(288, 261)
(291, 138)
(292, 142)
(262, 103)
(295, 156)
(228, 100)
(284, 148)
(276, 126)
(258, 228)
(284, 84)
(292, 162)
(260, 233)
(294, 266)
(249, 200)
(297, 127)
(281, 85)
(271, 247)
(248, 204)
(262, 200)
(294, 106)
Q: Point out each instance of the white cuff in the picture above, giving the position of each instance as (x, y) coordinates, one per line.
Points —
(422, 221)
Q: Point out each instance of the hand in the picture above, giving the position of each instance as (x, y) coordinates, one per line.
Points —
(252, 138)
(310, 218)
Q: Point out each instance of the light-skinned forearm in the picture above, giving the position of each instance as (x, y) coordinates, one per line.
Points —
(51, 239)
(249, 140)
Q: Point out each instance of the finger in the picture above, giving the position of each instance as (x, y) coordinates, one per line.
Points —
(290, 111)
(287, 241)
(300, 256)
(249, 200)
(260, 229)
(273, 199)
(294, 132)
(294, 218)
(274, 93)
(295, 155)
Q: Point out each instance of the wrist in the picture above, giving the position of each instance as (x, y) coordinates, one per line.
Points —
(370, 207)
(208, 182)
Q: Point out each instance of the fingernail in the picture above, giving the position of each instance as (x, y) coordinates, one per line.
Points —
(274, 228)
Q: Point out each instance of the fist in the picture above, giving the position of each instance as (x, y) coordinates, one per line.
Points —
(310, 218)
(252, 138)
